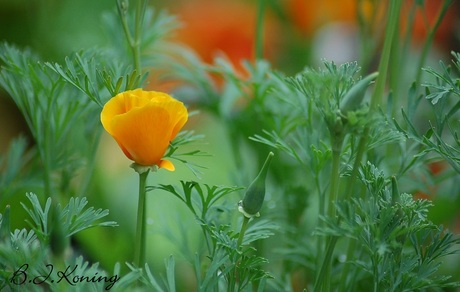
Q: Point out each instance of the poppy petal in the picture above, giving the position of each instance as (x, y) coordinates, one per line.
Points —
(168, 165)
(143, 123)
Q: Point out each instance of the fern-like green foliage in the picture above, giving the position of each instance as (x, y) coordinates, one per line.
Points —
(326, 87)
(74, 217)
(58, 116)
(145, 276)
(96, 77)
(14, 174)
(200, 199)
(236, 268)
(31, 250)
(441, 137)
(400, 249)
(229, 265)
(187, 138)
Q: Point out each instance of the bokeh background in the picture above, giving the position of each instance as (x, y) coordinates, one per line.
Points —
(297, 33)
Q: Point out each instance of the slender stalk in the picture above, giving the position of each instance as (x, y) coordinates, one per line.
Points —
(122, 10)
(376, 273)
(428, 43)
(346, 269)
(244, 226)
(359, 155)
(394, 75)
(139, 255)
(323, 279)
(321, 212)
(47, 165)
(136, 46)
(320, 284)
(232, 283)
(259, 30)
(331, 212)
(403, 57)
(206, 237)
(376, 99)
(335, 177)
(136, 40)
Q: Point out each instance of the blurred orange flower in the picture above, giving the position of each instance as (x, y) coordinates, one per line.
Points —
(309, 15)
(144, 123)
(425, 18)
(212, 26)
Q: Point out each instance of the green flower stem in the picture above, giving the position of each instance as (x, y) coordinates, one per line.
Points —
(244, 226)
(139, 255)
(428, 43)
(46, 154)
(346, 268)
(392, 24)
(395, 7)
(122, 7)
(367, 37)
(323, 277)
(334, 191)
(359, 155)
(321, 212)
(133, 41)
(401, 45)
(136, 46)
(259, 30)
(322, 282)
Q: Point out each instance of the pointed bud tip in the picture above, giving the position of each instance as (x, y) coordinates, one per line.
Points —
(354, 97)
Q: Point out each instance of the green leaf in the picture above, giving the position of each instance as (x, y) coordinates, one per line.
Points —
(39, 216)
(74, 216)
(76, 219)
(151, 279)
(170, 274)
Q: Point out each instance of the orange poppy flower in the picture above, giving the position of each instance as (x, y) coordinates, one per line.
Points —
(425, 18)
(308, 16)
(144, 123)
(212, 26)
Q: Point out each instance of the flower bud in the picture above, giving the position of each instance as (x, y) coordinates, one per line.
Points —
(352, 100)
(255, 194)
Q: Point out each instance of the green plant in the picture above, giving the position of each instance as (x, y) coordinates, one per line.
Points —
(338, 210)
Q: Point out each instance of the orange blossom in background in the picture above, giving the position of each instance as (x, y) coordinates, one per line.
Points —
(228, 27)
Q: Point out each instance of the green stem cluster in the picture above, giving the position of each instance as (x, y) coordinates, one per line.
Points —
(322, 282)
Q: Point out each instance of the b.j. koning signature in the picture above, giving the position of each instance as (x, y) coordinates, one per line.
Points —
(21, 277)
